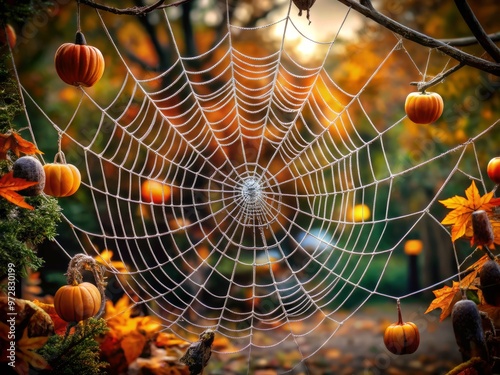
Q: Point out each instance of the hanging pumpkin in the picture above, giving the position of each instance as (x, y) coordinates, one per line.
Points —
(78, 63)
(424, 107)
(401, 337)
(61, 179)
(77, 302)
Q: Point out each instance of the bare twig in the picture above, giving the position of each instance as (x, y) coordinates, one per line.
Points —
(465, 365)
(406, 32)
(477, 29)
(133, 11)
(422, 86)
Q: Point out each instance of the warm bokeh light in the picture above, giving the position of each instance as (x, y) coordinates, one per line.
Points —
(413, 247)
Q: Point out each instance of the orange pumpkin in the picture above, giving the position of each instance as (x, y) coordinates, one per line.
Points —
(401, 337)
(493, 170)
(424, 107)
(61, 180)
(78, 63)
(77, 302)
(154, 191)
(8, 36)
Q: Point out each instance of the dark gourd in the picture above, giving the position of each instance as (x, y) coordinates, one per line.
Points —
(468, 330)
(489, 277)
(30, 169)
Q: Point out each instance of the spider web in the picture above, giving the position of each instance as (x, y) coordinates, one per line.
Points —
(266, 157)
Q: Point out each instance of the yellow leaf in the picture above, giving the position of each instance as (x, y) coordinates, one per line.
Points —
(25, 352)
(104, 258)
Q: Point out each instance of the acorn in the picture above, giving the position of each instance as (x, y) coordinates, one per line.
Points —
(30, 169)
(482, 229)
(468, 330)
(489, 277)
(304, 5)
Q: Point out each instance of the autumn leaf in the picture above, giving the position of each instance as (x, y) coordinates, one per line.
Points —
(447, 296)
(9, 185)
(26, 355)
(462, 208)
(104, 258)
(17, 144)
(133, 345)
(59, 324)
(445, 299)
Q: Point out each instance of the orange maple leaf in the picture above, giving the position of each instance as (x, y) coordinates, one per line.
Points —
(445, 299)
(17, 144)
(448, 295)
(462, 208)
(9, 185)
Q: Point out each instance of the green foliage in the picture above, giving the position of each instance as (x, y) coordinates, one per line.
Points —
(9, 98)
(10, 102)
(21, 230)
(77, 353)
(20, 11)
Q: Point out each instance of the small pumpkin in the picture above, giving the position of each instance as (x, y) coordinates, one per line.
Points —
(78, 63)
(30, 169)
(8, 36)
(61, 179)
(77, 302)
(493, 170)
(401, 337)
(155, 192)
(424, 107)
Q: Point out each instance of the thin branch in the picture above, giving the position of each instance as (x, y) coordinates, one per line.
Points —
(422, 39)
(133, 11)
(477, 29)
(422, 86)
(469, 40)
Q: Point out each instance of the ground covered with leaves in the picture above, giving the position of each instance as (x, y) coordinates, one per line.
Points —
(357, 348)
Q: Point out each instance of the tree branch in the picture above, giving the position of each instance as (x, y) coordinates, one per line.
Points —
(477, 29)
(469, 41)
(133, 11)
(467, 59)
